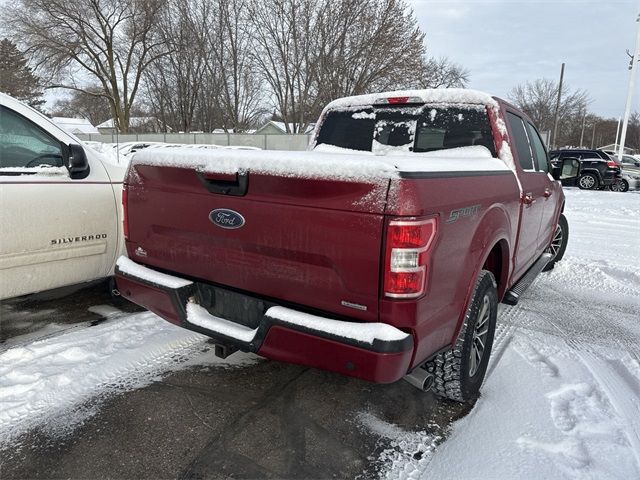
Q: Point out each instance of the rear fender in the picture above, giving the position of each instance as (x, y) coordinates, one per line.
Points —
(493, 231)
(595, 171)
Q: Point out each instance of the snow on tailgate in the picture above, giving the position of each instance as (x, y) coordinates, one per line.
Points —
(325, 161)
(351, 168)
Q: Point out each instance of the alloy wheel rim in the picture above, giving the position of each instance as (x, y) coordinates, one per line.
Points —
(480, 334)
(587, 181)
(556, 243)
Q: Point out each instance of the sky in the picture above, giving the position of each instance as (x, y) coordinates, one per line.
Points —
(507, 42)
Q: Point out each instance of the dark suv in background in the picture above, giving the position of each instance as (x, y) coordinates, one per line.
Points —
(597, 169)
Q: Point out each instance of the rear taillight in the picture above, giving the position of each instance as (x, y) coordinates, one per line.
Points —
(125, 213)
(406, 257)
(612, 164)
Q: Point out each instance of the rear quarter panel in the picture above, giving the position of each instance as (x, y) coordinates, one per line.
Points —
(474, 213)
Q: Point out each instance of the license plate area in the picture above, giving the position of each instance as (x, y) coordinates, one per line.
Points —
(233, 306)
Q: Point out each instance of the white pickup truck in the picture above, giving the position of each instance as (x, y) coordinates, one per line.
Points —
(60, 205)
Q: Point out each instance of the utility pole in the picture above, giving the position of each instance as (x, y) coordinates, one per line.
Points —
(555, 119)
(632, 78)
(615, 144)
(593, 136)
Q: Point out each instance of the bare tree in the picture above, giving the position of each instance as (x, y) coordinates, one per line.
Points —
(442, 73)
(92, 106)
(229, 39)
(538, 99)
(174, 81)
(75, 42)
(311, 51)
(284, 52)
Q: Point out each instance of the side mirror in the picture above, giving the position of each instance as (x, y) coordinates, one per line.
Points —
(77, 162)
(566, 169)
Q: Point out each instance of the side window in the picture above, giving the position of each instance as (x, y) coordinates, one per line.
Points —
(25, 145)
(521, 141)
(538, 148)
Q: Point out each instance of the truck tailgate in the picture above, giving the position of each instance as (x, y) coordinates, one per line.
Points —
(309, 241)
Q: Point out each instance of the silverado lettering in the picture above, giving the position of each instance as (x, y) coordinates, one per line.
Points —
(83, 238)
(347, 221)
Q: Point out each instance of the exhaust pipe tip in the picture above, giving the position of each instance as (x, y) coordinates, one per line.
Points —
(420, 378)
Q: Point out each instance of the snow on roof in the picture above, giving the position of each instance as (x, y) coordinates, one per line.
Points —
(433, 95)
(75, 125)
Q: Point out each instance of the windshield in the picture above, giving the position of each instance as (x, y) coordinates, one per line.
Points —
(411, 129)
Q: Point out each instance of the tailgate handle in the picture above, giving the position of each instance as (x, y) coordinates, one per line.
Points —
(222, 184)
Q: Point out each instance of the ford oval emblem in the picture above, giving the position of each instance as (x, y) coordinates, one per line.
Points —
(225, 218)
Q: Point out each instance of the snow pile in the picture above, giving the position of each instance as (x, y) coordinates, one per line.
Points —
(48, 379)
(405, 452)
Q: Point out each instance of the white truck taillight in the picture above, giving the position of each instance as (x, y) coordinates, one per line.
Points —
(407, 250)
(125, 213)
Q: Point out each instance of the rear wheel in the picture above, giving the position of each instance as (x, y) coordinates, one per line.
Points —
(558, 243)
(620, 185)
(588, 181)
(459, 372)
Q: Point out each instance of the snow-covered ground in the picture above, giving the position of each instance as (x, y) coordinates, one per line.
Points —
(561, 399)
(47, 379)
(562, 396)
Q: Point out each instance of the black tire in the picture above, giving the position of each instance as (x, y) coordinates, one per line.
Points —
(454, 375)
(558, 243)
(588, 181)
(620, 185)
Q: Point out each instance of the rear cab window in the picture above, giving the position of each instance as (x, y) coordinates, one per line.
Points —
(419, 129)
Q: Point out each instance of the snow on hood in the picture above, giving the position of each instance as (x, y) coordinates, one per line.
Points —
(325, 161)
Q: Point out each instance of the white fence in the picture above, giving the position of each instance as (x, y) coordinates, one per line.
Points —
(266, 142)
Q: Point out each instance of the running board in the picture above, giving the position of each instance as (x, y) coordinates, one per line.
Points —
(514, 294)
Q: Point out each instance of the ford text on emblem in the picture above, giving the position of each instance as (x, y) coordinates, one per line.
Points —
(225, 218)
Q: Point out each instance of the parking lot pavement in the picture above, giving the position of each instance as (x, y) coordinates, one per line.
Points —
(42, 314)
(265, 420)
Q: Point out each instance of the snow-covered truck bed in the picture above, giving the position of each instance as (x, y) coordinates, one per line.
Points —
(380, 254)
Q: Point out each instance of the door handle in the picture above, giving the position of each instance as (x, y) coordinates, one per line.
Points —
(547, 193)
(528, 199)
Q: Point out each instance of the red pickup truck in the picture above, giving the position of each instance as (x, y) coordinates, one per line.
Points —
(381, 253)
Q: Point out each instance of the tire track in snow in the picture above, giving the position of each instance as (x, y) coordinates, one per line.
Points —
(621, 395)
(507, 319)
(621, 389)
